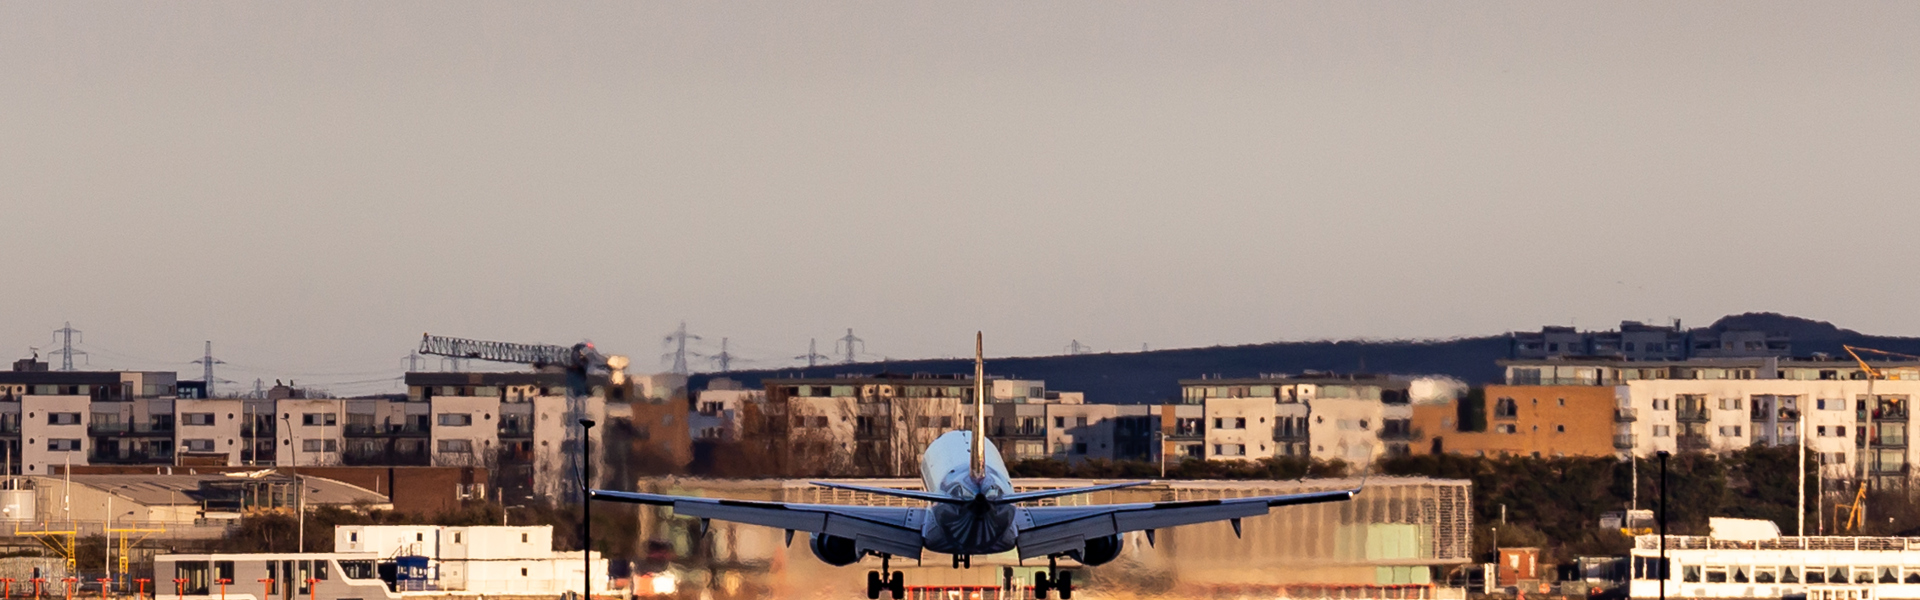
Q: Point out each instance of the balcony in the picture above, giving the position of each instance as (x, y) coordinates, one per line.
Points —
(10, 428)
(363, 430)
(135, 429)
(1281, 434)
(1626, 415)
(1694, 442)
(130, 458)
(1626, 441)
(1759, 415)
(1187, 433)
(250, 457)
(1693, 415)
(522, 431)
(251, 430)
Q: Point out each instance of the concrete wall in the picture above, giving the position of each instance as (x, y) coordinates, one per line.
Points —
(294, 434)
(480, 434)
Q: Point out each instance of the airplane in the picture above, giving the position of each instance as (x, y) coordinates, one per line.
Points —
(973, 510)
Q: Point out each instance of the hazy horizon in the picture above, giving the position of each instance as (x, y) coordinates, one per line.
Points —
(311, 186)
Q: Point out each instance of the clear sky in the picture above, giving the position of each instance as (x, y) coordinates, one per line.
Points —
(311, 185)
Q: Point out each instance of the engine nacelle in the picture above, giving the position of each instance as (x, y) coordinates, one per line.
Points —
(1099, 551)
(833, 550)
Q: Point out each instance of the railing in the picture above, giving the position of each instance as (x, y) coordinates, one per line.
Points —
(1694, 414)
(250, 457)
(1289, 435)
(1699, 542)
(1396, 436)
(10, 428)
(516, 432)
(360, 430)
(1626, 415)
(130, 458)
(249, 430)
(1694, 442)
(370, 430)
(1625, 442)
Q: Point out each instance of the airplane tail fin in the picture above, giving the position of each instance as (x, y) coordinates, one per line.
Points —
(978, 466)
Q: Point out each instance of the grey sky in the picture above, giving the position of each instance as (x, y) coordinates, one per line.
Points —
(313, 185)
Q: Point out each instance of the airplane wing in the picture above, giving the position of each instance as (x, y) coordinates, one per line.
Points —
(889, 529)
(887, 491)
(1052, 529)
(1043, 494)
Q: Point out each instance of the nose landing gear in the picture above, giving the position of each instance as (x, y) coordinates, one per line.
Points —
(894, 582)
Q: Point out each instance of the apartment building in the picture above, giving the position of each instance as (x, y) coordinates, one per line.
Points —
(1642, 342)
(1857, 426)
(1356, 418)
(84, 417)
(879, 425)
(1522, 420)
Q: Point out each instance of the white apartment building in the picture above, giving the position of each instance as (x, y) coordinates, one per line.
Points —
(211, 427)
(1078, 432)
(311, 432)
(1354, 418)
(717, 413)
(54, 428)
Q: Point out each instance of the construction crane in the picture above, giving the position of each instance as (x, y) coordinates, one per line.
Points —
(1857, 513)
(581, 362)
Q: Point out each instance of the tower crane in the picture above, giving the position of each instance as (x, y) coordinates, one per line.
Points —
(1857, 514)
(581, 362)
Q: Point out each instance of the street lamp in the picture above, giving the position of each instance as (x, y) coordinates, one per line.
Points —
(586, 508)
(300, 489)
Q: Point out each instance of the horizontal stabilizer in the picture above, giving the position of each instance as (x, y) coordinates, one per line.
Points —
(896, 492)
(1044, 494)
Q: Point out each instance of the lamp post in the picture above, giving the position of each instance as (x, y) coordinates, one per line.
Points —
(299, 489)
(1664, 571)
(586, 508)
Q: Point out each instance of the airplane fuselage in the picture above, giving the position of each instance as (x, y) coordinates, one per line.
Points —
(982, 527)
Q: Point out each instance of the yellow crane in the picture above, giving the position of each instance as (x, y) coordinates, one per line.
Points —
(1857, 512)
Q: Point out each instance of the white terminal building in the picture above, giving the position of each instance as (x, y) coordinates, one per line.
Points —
(390, 561)
(1742, 565)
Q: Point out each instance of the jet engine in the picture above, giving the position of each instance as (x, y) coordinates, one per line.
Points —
(1099, 551)
(833, 550)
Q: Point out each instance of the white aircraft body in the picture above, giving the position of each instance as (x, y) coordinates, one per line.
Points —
(973, 509)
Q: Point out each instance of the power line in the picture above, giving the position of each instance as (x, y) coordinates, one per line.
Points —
(813, 355)
(849, 341)
(64, 336)
(678, 339)
(724, 358)
(207, 362)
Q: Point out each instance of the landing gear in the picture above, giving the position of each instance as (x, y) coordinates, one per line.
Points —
(963, 561)
(878, 580)
(1053, 579)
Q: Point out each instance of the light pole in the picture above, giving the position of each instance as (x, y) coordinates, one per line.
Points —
(586, 508)
(299, 489)
(1663, 525)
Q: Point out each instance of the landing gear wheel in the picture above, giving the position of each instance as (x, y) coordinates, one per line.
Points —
(1065, 579)
(873, 585)
(898, 585)
(1041, 585)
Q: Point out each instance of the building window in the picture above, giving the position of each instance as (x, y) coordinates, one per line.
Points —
(319, 445)
(1060, 422)
(1506, 408)
(63, 445)
(196, 418)
(455, 419)
(63, 418)
(456, 446)
(1662, 431)
(198, 445)
(1079, 447)
(319, 419)
(1506, 428)
(1559, 429)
